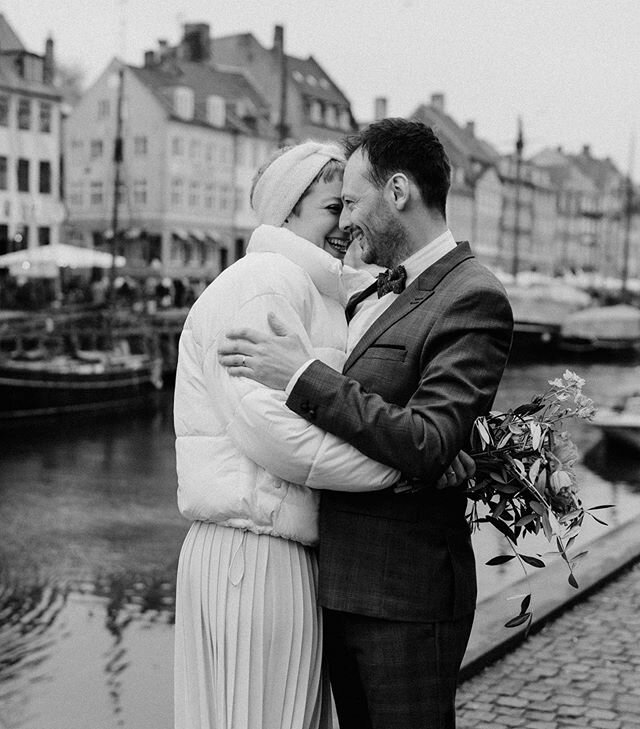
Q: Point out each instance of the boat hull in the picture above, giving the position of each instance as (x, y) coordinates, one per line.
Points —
(620, 428)
(35, 389)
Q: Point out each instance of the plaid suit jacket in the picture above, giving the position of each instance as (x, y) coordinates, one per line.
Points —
(408, 396)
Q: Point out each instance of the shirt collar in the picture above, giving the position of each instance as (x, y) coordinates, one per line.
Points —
(428, 255)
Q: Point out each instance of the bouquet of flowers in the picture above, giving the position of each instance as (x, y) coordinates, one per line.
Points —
(525, 478)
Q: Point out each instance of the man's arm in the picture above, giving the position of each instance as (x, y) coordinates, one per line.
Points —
(461, 367)
(273, 436)
(274, 357)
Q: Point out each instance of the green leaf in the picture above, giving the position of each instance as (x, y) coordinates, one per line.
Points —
(536, 434)
(527, 519)
(603, 506)
(533, 561)
(502, 528)
(534, 470)
(482, 429)
(524, 606)
(500, 559)
(537, 507)
(499, 477)
(572, 581)
(514, 622)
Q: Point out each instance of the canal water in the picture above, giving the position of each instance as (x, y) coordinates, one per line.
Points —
(90, 543)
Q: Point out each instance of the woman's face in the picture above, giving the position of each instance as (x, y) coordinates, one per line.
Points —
(318, 216)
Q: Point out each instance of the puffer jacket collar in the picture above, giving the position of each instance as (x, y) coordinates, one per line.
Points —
(328, 274)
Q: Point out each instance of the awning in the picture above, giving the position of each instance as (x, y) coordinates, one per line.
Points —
(197, 234)
(180, 233)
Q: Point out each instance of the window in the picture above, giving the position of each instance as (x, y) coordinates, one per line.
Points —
(23, 175)
(216, 111)
(345, 120)
(208, 196)
(183, 102)
(224, 197)
(96, 194)
(194, 194)
(45, 178)
(239, 246)
(24, 113)
(96, 148)
(45, 117)
(209, 152)
(331, 116)
(315, 112)
(44, 236)
(140, 192)
(176, 192)
(177, 146)
(21, 238)
(4, 110)
(224, 258)
(104, 108)
(4, 240)
(76, 197)
(3, 173)
(195, 149)
(140, 146)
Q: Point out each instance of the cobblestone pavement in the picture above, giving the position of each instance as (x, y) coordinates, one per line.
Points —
(580, 670)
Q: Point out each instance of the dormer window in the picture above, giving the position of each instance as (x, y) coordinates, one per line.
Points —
(183, 102)
(315, 112)
(324, 83)
(311, 79)
(216, 111)
(298, 76)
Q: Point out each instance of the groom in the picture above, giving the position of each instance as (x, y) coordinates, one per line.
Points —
(397, 572)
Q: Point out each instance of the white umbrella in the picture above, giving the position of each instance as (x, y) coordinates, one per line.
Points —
(59, 255)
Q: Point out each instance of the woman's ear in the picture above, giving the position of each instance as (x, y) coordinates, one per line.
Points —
(399, 190)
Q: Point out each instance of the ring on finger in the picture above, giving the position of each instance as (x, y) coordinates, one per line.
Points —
(244, 359)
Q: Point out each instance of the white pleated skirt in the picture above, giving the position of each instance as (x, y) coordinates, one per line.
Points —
(248, 645)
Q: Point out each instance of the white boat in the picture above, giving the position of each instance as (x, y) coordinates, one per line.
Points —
(602, 329)
(621, 423)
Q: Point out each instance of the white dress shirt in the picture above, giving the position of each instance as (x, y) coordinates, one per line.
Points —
(372, 307)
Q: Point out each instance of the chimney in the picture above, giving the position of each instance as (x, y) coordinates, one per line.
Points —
(278, 39)
(437, 101)
(196, 45)
(380, 108)
(586, 150)
(49, 65)
(149, 59)
(163, 47)
(471, 127)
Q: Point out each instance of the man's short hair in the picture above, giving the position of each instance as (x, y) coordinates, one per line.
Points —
(411, 147)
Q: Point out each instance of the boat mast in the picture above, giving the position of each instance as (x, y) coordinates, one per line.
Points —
(117, 164)
(515, 263)
(628, 206)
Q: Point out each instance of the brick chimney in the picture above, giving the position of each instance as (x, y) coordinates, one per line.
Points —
(149, 59)
(196, 44)
(586, 150)
(49, 65)
(278, 39)
(437, 101)
(380, 108)
(471, 127)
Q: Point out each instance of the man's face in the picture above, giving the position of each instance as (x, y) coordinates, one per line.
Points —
(368, 215)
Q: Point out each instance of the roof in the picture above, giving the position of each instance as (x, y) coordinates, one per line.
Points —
(312, 80)
(9, 40)
(205, 80)
(602, 171)
(464, 149)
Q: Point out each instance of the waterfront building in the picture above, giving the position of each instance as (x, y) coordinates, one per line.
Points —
(590, 206)
(305, 102)
(474, 206)
(529, 221)
(31, 211)
(191, 138)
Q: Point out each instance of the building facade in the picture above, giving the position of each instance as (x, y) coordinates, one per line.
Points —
(31, 210)
(191, 137)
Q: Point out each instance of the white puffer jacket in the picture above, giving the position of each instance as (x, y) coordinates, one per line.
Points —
(244, 459)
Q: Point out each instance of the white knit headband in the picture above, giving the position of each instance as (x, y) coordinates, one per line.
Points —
(287, 177)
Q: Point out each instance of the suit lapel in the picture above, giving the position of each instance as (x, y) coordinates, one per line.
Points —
(414, 295)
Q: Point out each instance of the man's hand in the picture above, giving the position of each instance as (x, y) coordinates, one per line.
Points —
(271, 359)
(461, 469)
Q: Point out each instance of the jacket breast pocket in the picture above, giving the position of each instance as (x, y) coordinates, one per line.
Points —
(396, 353)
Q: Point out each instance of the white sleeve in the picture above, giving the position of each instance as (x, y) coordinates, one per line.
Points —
(271, 435)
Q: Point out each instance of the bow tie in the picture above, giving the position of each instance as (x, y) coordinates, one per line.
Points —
(392, 281)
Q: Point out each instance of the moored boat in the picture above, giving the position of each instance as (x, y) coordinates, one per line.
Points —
(602, 329)
(82, 382)
(621, 423)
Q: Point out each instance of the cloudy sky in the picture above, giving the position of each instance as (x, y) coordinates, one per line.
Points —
(569, 68)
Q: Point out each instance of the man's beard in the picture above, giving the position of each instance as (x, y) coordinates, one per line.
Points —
(388, 246)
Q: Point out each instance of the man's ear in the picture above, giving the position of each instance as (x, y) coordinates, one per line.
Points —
(399, 189)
